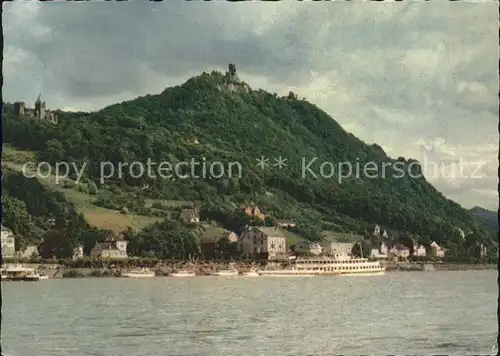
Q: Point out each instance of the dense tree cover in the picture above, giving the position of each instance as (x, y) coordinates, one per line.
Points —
(35, 213)
(362, 249)
(200, 120)
(166, 240)
(55, 244)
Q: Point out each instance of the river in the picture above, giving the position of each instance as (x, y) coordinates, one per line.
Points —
(399, 313)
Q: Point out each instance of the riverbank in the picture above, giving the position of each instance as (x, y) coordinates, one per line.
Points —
(209, 268)
(163, 271)
(416, 267)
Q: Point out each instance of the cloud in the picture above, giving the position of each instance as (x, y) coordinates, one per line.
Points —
(390, 74)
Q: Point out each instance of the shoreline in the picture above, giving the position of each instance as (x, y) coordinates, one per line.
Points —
(437, 267)
(204, 271)
(54, 271)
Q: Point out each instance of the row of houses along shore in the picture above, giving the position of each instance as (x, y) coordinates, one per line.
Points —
(258, 242)
(254, 242)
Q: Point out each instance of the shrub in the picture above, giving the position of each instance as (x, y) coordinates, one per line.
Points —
(72, 274)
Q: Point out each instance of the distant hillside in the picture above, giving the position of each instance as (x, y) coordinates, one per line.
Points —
(488, 217)
(218, 118)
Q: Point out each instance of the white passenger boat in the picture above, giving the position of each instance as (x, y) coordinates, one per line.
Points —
(139, 273)
(17, 272)
(31, 275)
(231, 272)
(251, 273)
(183, 273)
(42, 276)
(327, 266)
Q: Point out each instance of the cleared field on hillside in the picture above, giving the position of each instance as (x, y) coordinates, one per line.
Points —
(99, 217)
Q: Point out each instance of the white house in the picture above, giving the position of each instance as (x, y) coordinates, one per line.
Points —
(190, 216)
(400, 251)
(270, 240)
(8, 243)
(313, 248)
(419, 251)
(436, 250)
(110, 249)
(376, 231)
(380, 252)
(335, 247)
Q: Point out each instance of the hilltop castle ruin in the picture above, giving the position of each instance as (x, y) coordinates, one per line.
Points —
(39, 112)
(232, 82)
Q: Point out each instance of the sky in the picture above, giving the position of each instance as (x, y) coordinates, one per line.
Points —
(419, 79)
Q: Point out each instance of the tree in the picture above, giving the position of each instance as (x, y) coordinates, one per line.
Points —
(151, 126)
(15, 215)
(168, 239)
(55, 244)
(270, 221)
(225, 249)
(362, 249)
(92, 188)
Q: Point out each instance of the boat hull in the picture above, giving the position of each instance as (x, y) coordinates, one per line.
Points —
(225, 274)
(183, 275)
(250, 274)
(363, 273)
(295, 273)
(20, 279)
(133, 275)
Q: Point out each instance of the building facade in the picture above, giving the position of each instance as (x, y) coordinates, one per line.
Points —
(436, 250)
(116, 249)
(253, 211)
(380, 252)
(399, 251)
(263, 240)
(419, 251)
(333, 248)
(190, 216)
(308, 247)
(39, 111)
(29, 252)
(8, 243)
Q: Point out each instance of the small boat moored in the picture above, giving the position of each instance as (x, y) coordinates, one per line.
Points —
(42, 276)
(139, 273)
(31, 275)
(251, 273)
(17, 272)
(231, 272)
(183, 273)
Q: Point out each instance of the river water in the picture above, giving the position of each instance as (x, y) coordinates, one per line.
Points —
(399, 313)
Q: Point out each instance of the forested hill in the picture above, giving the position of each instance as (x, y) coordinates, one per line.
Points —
(222, 119)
